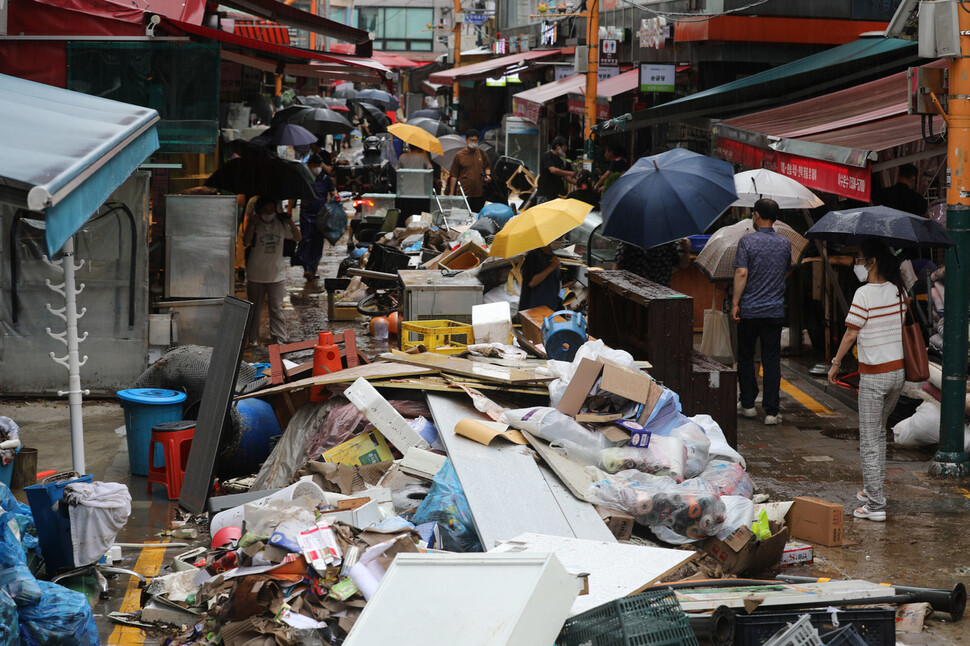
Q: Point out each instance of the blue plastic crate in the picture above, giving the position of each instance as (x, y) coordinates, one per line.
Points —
(53, 529)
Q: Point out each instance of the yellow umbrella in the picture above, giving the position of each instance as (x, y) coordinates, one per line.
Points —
(416, 137)
(539, 226)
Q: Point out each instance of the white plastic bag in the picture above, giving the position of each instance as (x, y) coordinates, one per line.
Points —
(922, 427)
(716, 339)
(664, 456)
(551, 425)
(720, 449)
(739, 512)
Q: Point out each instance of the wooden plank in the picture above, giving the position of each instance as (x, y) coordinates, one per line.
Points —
(216, 398)
(571, 473)
(507, 493)
(781, 594)
(487, 372)
(380, 370)
(614, 570)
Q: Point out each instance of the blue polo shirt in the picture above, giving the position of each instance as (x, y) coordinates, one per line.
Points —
(766, 255)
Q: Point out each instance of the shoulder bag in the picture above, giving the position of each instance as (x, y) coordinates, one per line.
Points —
(915, 362)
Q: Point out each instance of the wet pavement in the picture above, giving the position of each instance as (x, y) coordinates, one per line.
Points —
(813, 452)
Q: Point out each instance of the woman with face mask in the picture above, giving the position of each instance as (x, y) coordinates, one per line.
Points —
(265, 270)
(875, 323)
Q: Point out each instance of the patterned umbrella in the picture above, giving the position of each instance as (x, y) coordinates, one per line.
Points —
(717, 256)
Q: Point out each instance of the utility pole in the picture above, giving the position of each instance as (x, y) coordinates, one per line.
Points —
(456, 27)
(592, 78)
(951, 460)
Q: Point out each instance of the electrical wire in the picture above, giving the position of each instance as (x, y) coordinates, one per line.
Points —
(931, 139)
(692, 17)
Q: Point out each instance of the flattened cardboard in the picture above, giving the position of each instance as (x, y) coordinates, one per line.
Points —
(635, 385)
(484, 432)
(579, 386)
(614, 433)
(620, 524)
(817, 521)
(753, 556)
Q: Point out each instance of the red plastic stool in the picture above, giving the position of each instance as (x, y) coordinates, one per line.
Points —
(175, 438)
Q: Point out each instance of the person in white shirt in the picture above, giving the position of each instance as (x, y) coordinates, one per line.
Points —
(265, 269)
(414, 159)
(875, 323)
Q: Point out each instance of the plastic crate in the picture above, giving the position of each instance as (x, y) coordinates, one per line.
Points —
(442, 337)
(800, 633)
(875, 626)
(648, 619)
(844, 636)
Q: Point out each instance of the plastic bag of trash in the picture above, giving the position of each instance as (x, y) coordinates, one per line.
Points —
(720, 449)
(691, 508)
(8, 620)
(697, 445)
(923, 427)
(728, 478)
(447, 506)
(552, 425)
(663, 456)
(8, 431)
(62, 616)
(564, 371)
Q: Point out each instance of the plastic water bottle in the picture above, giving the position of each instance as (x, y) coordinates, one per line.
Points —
(379, 328)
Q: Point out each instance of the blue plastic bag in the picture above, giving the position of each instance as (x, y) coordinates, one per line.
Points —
(61, 617)
(332, 221)
(447, 506)
(8, 620)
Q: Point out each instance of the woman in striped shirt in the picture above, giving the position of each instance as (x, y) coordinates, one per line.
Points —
(875, 322)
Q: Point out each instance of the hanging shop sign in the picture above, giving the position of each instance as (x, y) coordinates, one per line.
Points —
(608, 53)
(476, 18)
(657, 78)
(653, 33)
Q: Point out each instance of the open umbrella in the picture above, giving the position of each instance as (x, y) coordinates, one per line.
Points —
(753, 185)
(666, 197)
(895, 228)
(345, 91)
(380, 98)
(287, 134)
(312, 101)
(717, 256)
(372, 112)
(427, 113)
(450, 145)
(338, 105)
(538, 226)
(272, 177)
(416, 137)
(319, 121)
(436, 128)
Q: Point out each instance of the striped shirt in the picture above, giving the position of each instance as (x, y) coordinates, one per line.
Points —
(877, 312)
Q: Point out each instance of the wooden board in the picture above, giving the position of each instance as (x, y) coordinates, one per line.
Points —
(438, 384)
(474, 369)
(781, 594)
(507, 492)
(571, 473)
(379, 370)
(614, 570)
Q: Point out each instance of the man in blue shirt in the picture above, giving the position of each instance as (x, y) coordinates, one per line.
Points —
(762, 261)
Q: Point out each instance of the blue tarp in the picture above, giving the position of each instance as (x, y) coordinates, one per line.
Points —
(63, 153)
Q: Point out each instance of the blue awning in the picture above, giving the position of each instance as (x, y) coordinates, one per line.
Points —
(63, 153)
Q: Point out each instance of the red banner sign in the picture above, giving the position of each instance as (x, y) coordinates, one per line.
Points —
(526, 109)
(577, 106)
(816, 174)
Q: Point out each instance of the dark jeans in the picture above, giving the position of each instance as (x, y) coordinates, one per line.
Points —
(769, 332)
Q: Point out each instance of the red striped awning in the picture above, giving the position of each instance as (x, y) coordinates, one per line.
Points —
(264, 30)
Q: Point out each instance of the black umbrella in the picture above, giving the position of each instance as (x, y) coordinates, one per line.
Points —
(345, 91)
(372, 112)
(436, 128)
(428, 113)
(895, 228)
(379, 98)
(279, 179)
(319, 121)
(312, 101)
(286, 134)
(263, 109)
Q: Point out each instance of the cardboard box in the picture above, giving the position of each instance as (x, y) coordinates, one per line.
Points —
(531, 321)
(742, 553)
(619, 524)
(366, 448)
(816, 521)
(468, 247)
(630, 383)
(579, 386)
(797, 554)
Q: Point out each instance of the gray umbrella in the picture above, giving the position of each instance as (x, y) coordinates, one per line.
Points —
(436, 128)
(320, 121)
(345, 91)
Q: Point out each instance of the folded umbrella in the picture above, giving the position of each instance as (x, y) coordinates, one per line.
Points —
(436, 128)
(273, 177)
(716, 259)
(753, 185)
(667, 197)
(895, 228)
(538, 226)
(416, 137)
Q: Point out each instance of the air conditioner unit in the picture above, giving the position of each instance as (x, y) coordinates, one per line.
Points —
(939, 29)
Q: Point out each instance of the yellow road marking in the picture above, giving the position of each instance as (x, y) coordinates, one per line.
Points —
(149, 564)
(964, 492)
(803, 399)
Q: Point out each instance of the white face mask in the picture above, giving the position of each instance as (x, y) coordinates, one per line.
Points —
(861, 273)
(268, 218)
(316, 170)
(473, 144)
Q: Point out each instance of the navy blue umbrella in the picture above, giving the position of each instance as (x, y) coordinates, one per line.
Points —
(666, 197)
(895, 228)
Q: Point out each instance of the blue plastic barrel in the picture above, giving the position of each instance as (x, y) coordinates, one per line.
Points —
(145, 408)
(53, 528)
(254, 425)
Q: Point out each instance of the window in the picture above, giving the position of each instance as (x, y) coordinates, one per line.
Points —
(400, 29)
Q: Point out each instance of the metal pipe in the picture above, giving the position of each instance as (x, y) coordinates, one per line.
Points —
(952, 601)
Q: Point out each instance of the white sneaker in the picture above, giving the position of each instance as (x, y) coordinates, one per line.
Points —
(863, 512)
(747, 412)
(773, 420)
(861, 496)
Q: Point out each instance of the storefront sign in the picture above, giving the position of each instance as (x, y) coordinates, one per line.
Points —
(476, 18)
(608, 53)
(828, 177)
(526, 109)
(657, 78)
(603, 73)
(578, 106)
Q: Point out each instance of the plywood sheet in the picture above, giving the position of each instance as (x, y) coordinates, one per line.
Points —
(378, 370)
(475, 369)
(570, 472)
(506, 491)
(614, 570)
(781, 594)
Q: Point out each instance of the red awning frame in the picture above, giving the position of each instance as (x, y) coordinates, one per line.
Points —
(486, 69)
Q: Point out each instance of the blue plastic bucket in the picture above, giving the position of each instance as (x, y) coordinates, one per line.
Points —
(145, 408)
(53, 529)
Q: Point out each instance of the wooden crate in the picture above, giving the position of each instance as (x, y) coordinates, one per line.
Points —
(714, 392)
(650, 321)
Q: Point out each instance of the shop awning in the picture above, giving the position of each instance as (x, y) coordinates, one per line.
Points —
(128, 11)
(63, 153)
(257, 49)
(489, 68)
(835, 68)
(528, 103)
(842, 133)
(265, 30)
(625, 82)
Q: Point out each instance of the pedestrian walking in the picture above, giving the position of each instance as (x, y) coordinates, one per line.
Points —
(875, 324)
(552, 172)
(310, 247)
(470, 167)
(758, 305)
(265, 269)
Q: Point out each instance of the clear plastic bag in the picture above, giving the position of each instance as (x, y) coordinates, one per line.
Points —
(447, 506)
(552, 426)
(728, 478)
(664, 456)
(8, 621)
(62, 617)
(697, 445)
